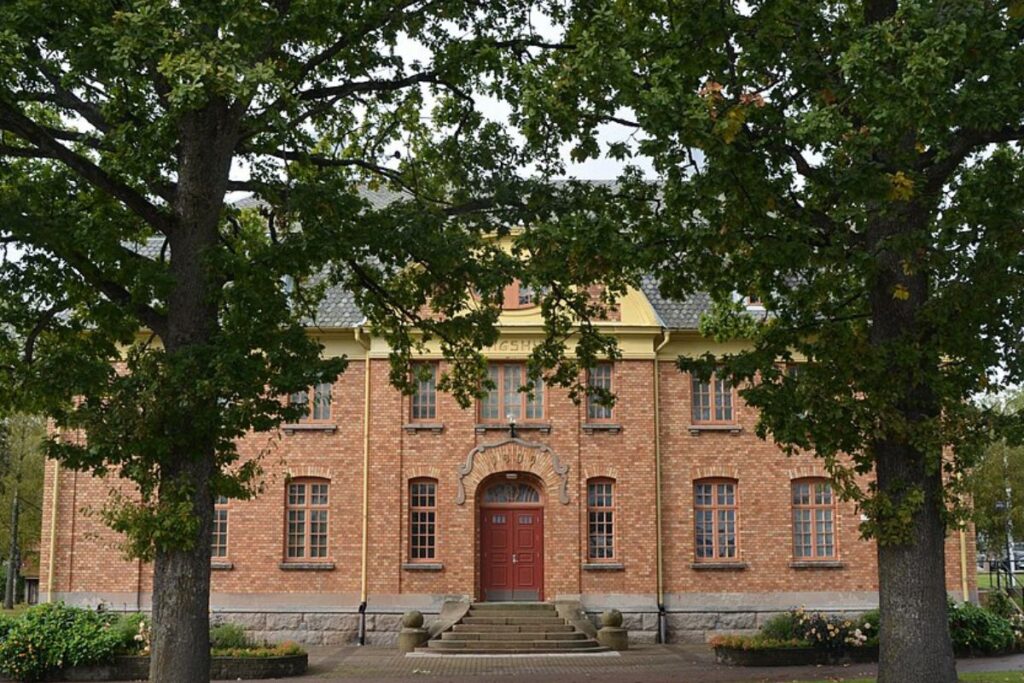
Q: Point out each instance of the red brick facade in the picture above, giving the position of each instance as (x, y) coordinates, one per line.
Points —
(256, 584)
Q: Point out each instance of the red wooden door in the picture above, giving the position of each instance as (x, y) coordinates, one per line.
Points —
(512, 550)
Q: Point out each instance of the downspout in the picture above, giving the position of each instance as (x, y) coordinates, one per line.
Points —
(366, 488)
(662, 618)
(53, 531)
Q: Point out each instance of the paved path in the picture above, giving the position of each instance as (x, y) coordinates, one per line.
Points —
(642, 664)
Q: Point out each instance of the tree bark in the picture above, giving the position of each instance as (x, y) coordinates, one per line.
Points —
(914, 633)
(181, 576)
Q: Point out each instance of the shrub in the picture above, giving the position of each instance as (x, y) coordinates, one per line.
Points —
(759, 642)
(282, 650)
(228, 636)
(130, 630)
(7, 622)
(977, 630)
(53, 636)
(833, 633)
(1001, 604)
(781, 627)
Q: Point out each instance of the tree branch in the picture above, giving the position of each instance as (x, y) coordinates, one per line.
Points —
(13, 120)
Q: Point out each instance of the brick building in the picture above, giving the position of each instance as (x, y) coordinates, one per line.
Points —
(457, 507)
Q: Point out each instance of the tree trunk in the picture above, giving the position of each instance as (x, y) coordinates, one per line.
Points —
(181, 576)
(914, 634)
(12, 558)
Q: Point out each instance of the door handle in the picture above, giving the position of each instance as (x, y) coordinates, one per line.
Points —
(514, 559)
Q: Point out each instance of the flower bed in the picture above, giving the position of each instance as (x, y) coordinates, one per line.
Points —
(253, 665)
(802, 638)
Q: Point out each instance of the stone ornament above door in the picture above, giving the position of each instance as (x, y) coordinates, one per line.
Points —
(513, 455)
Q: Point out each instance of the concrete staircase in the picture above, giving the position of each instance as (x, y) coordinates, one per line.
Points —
(512, 628)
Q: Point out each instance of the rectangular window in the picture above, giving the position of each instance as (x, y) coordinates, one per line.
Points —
(219, 537)
(307, 508)
(505, 402)
(424, 399)
(813, 520)
(422, 520)
(712, 401)
(600, 521)
(714, 507)
(316, 402)
(600, 377)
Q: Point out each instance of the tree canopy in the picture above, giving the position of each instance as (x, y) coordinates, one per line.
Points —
(856, 167)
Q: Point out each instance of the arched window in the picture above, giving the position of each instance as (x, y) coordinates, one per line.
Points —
(601, 520)
(510, 492)
(422, 520)
(307, 512)
(814, 514)
(715, 523)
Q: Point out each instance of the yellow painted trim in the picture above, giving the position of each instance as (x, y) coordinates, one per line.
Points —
(366, 474)
(963, 566)
(657, 471)
(53, 531)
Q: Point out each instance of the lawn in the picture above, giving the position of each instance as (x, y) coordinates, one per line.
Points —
(18, 609)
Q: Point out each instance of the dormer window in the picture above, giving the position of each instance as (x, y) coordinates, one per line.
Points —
(518, 295)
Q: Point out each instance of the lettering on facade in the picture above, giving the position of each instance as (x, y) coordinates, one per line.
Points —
(514, 454)
(515, 346)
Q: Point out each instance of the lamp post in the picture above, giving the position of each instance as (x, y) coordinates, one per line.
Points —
(511, 426)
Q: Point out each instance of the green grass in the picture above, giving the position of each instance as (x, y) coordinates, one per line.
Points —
(987, 677)
(18, 609)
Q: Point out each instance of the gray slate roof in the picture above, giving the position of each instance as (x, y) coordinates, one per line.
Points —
(338, 308)
(675, 314)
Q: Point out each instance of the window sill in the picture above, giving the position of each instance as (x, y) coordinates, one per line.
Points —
(720, 566)
(817, 564)
(221, 566)
(309, 427)
(542, 427)
(423, 566)
(307, 566)
(603, 567)
(611, 428)
(433, 427)
(696, 429)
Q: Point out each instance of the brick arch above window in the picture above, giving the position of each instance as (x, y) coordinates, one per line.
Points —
(309, 472)
(590, 472)
(814, 471)
(715, 472)
(422, 472)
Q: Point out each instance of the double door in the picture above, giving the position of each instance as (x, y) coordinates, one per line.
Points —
(512, 549)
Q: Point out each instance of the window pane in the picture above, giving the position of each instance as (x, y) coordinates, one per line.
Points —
(511, 398)
(701, 401)
(296, 533)
(318, 494)
(723, 401)
(296, 494)
(599, 377)
(535, 405)
(422, 520)
(490, 406)
(424, 400)
(322, 401)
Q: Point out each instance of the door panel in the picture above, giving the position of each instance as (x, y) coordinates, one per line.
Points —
(512, 554)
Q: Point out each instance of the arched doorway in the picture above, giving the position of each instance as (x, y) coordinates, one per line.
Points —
(511, 538)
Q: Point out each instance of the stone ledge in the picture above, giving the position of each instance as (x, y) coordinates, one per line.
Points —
(610, 427)
(696, 429)
(309, 427)
(817, 564)
(542, 427)
(720, 566)
(432, 427)
(423, 566)
(603, 566)
(306, 566)
(222, 566)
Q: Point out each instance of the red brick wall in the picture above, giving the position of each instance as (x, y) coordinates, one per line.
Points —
(88, 560)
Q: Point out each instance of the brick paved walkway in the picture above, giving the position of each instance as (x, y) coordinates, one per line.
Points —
(643, 664)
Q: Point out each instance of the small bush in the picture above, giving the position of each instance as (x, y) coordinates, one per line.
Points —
(759, 642)
(1001, 604)
(228, 636)
(128, 628)
(53, 636)
(7, 622)
(780, 627)
(977, 630)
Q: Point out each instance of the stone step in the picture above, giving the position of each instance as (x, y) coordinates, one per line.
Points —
(531, 645)
(515, 628)
(497, 636)
(515, 621)
(504, 653)
(490, 614)
(513, 606)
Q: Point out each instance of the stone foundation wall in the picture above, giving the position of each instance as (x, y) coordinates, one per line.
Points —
(316, 628)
